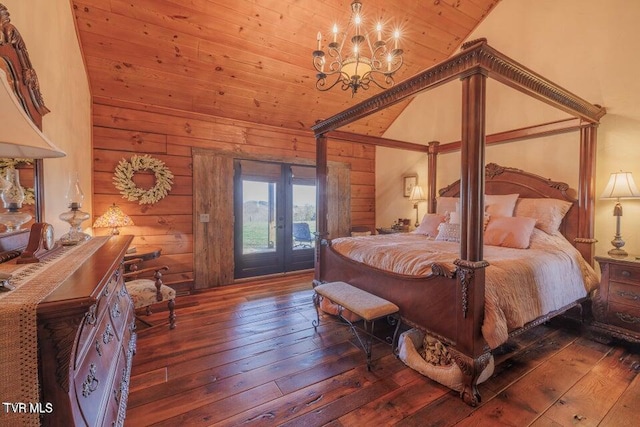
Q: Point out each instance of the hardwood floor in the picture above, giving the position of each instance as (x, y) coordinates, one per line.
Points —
(248, 354)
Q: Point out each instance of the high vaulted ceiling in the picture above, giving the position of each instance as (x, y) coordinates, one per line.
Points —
(251, 59)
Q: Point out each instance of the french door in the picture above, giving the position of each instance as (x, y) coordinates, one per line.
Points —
(275, 217)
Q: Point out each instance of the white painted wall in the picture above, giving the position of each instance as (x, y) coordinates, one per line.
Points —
(48, 30)
(586, 46)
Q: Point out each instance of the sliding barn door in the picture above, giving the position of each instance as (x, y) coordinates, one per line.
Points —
(213, 220)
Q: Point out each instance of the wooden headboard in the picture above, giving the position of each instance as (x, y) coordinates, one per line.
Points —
(506, 180)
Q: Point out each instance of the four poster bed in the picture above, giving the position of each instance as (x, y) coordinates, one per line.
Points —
(452, 296)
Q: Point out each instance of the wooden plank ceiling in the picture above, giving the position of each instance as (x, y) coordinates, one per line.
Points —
(251, 60)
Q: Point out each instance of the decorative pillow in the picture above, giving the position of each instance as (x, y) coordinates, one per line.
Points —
(360, 233)
(510, 232)
(447, 204)
(500, 205)
(454, 217)
(448, 232)
(429, 224)
(547, 212)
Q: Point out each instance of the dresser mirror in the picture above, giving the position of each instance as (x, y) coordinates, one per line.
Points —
(22, 109)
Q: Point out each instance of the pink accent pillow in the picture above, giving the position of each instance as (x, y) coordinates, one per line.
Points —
(547, 212)
(510, 232)
(500, 205)
(429, 224)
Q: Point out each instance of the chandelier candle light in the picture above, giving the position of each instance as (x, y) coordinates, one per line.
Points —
(362, 61)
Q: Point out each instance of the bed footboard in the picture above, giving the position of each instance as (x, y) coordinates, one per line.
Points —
(441, 304)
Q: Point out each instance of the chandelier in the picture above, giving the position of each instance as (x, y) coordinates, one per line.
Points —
(357, 65)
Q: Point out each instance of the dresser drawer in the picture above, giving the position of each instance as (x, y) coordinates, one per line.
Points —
(120, 309)
(93, 381)
(623, 315)
(624, 293)
(117, 404)
(626, 274)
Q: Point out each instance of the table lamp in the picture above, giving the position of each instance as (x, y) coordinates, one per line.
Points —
(417, 196)
(114, 217)
(620, 186)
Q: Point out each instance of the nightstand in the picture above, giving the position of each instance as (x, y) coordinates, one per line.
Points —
(392, 230)
(616, 307)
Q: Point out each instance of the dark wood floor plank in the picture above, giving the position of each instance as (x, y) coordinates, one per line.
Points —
(396, 405)
(625, 412)
(248, 355)
(592, 397)
(343, 405)
(314, 396)
(522, 402)
(238, 376)
(224, 408)
(521, 362)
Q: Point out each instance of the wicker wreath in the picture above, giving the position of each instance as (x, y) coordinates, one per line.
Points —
(123, 179)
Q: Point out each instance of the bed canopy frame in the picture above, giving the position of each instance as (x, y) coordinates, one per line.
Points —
(476, 62)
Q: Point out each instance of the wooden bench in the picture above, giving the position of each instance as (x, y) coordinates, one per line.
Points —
(367, 306)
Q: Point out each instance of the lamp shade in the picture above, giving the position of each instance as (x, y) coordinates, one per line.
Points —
(621, 186)
(417, 194)
(114, 218)
(19, 136)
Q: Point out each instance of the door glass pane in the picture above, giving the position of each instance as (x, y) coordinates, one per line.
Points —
(304, 216)
(258, 216)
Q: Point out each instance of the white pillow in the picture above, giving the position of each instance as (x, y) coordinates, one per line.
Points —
(447, 204)
(500, 205)
(448, 232)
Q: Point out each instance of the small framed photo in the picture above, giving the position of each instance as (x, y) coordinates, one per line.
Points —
(409, 181)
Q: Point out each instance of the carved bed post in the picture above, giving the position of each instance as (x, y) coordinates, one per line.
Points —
(321, 199)
(471, 266)
(432, 157)
(585, 241)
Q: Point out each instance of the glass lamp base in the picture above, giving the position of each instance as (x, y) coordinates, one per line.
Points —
(14, 220)
(75, 218)
(73, 238)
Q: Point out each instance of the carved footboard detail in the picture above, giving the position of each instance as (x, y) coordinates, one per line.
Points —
(471, 369)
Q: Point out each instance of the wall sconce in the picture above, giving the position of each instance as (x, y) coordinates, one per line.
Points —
(75, 217)
(113, 218)
(417, 196)
(620, 186)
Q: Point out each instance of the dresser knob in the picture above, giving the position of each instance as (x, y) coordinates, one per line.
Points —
(626, 273)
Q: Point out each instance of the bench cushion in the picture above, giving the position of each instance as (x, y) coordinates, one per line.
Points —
(362, 303)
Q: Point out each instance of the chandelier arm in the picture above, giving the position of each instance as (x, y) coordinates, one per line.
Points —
(321, 82)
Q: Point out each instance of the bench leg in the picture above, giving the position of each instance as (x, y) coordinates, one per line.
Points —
(368, 330)
(316, 303)
(394, 342)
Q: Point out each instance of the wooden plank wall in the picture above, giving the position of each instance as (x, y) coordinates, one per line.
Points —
(122, 129)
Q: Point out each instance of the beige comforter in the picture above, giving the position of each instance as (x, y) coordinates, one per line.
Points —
(521, 284)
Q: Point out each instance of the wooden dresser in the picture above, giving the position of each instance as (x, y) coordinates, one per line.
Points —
(616, 308)
(86, 342)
